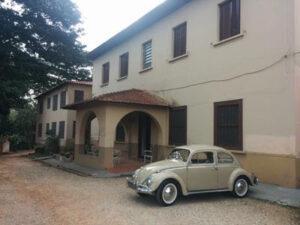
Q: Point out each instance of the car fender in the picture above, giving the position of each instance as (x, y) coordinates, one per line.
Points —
(165, 175)
(235, 174)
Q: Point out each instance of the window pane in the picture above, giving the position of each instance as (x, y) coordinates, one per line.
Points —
(178, 126)
(228, 124)
(53, 128)
(120, 135)
(78, 96)
(48, 103)
(61, 130)
(55, 102)
(40, 106)
(74, 129)
(229, 19)
(203, 158)
(147, 55)
(105, 73)
(180, 40)
(63, 99)
(224, 158)
(124, 65)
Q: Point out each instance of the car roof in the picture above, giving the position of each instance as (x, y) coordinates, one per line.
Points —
(193, 148)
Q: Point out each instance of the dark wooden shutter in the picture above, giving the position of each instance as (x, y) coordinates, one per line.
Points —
(40, 129)
(147, 55)
(61, 130)
(47, 128)
(180, 40)
(41, 106)
(63, 96)
(178, 126)
(74, 129)
(78, 96)
(48, 102)
(124, 60)
(228, 131)
(55, 102)
(105, 73)
(53, 128)
(229, 18)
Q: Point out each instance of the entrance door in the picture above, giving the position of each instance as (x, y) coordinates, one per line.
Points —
(144, 134)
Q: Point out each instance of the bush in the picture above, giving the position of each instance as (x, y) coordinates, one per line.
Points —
(52, 144)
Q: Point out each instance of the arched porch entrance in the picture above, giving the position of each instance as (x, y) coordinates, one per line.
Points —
(136, 134)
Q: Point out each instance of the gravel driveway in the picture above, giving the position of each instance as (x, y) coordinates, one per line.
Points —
(31, 193)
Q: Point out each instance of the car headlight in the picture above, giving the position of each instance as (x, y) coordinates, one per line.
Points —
(148, 181)
(135, 174)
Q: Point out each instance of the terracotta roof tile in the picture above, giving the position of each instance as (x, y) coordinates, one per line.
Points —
(132, 96)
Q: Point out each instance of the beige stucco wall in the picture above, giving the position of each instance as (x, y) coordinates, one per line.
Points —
(49, 116)
(268, 96)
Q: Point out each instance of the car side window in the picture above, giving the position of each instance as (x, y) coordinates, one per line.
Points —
(224, 158)
(203, 158)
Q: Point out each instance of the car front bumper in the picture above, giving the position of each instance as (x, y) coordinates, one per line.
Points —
(138, 188)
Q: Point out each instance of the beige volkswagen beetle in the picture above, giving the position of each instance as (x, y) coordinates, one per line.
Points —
(192, 170)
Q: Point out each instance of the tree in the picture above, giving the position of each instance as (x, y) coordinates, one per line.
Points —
(22, 127)
(39, 48)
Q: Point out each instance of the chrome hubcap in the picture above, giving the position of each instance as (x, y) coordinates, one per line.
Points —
(241, 187)
(169, 193)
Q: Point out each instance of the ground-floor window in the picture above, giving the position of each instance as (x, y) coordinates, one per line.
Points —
(178, 126)
(40, 130)
(61, 130)
(228, 124)
(120, 133)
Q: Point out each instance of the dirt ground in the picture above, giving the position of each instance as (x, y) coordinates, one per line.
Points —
(31, 193)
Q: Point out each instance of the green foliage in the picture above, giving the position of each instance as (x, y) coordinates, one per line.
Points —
(39, 48)
(22, 127)
(52, 144)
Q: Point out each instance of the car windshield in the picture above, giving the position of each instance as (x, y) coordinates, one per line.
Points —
(180, 154)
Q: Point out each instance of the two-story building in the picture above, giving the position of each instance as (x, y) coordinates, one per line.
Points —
(52, 118)
(215, 72)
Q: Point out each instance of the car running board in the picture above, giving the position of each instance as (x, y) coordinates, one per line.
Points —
(207, 191)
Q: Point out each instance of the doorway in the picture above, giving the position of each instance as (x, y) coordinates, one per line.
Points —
(144, 139)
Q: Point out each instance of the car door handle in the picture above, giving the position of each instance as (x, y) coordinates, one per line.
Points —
(216, 168)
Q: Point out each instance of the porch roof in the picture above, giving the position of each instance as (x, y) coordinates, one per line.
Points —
(132, 96)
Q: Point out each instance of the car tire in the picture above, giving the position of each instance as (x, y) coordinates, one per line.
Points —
(167, 193)
(240, 187)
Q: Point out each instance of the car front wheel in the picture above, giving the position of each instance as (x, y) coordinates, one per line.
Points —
(167, 193)
(241, 187)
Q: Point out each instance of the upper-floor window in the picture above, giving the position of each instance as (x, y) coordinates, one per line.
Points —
(124, 61)
(55, 102)
(229, 124)
(48, 102)
(147, 55)
(78, 96)
(230, 17)
(179, 40)
(40, 106)
(105, 73)
(63, 96)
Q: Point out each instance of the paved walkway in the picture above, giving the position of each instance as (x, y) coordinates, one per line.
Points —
(272, 193)
(82, 170)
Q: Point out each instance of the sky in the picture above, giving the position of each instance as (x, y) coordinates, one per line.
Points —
(102, 19)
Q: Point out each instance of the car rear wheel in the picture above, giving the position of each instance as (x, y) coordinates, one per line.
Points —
(241, 187)
(167, 193)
